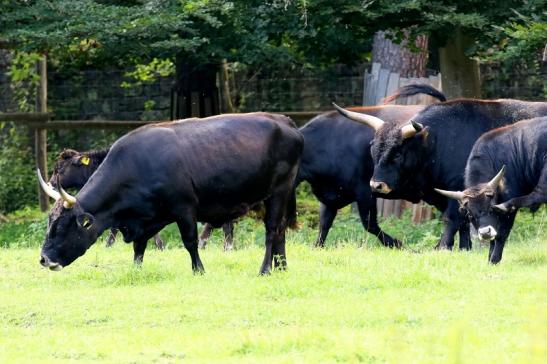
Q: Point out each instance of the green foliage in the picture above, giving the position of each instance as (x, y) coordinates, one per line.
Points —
(17, 178)
(149, 73)
(24, 79)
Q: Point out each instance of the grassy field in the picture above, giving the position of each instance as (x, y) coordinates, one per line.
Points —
(352, 302)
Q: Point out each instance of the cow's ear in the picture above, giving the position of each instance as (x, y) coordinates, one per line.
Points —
(84, 160)
(67, 153)
(85, 220)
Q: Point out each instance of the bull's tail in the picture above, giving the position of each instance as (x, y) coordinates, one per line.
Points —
(415, 89)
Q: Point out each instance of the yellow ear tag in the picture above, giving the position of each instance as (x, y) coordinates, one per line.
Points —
(85, 160)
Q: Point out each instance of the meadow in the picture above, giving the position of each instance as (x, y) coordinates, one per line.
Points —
(353, 301)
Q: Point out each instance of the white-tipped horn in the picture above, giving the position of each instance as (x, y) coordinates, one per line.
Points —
(369, 120)
(494, 182)
(68, 199)
(456, 195)
(48, 189)
(411, 129)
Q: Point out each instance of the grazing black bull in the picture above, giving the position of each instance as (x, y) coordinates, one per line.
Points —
(74, 168)
(506, 170)
(337, 163)
(211, 169)
(411, 158)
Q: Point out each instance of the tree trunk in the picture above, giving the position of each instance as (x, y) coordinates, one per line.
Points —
(224, 78)
(195, 92)
(398, 57)
(460, 74)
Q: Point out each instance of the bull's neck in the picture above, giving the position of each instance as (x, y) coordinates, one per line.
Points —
(99, 196)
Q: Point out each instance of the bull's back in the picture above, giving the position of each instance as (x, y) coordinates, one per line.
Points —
(337, 150)
(521, 147)
(235, 161)
(456, 125)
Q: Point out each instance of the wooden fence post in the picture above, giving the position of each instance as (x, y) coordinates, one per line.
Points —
(40, 134)
(378, 84)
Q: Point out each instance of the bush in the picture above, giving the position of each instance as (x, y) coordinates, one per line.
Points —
(17, 178)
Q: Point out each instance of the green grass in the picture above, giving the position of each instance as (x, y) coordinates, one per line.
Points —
(352, 302)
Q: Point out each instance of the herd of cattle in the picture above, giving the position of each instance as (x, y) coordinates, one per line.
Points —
(477, 161)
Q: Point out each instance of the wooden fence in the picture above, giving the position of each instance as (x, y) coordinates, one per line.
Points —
(379, 83)
(40, 122)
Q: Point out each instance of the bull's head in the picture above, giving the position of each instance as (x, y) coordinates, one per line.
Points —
(480, 203)
(72, 169)
(397, 151)
(70, 231)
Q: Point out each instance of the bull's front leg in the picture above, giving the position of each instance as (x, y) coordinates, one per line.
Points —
(451, 224)
(189, 233)
(139, 247)
(465, 235)
(228, 229)
(326, 218)
(496, 247)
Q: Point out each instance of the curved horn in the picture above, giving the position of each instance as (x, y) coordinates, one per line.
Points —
(419, 127)
(494, 182)
(456, 195)
(369, 120)
(48, 189)
(411, 129)
(68, 199)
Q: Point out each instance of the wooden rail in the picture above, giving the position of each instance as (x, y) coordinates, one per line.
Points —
(41, 120)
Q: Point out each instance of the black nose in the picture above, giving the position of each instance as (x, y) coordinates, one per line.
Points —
(44, 261)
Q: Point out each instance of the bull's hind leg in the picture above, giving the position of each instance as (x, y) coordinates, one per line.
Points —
(189, 234)
(326, 218)
(275, 222)
(228, 229)
(159, 243)
(369, 219)
(111, 237)
(205, 235)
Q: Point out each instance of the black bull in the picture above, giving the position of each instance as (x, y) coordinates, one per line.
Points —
(337, 163)
(506, 170)
(211, 169)
(73, 169)
(411, 159)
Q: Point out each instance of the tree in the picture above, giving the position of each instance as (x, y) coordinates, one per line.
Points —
(262, 34)
(409, 60)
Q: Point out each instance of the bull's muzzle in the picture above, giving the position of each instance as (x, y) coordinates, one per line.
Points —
(379, 187)
(45, 262)
(487, 233)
